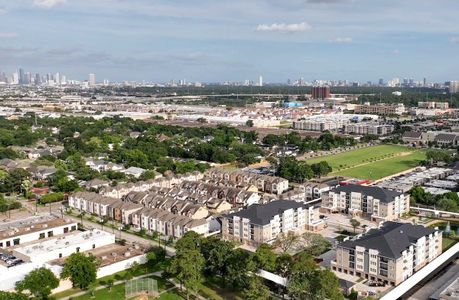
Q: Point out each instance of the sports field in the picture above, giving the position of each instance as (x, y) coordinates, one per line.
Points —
(373, 162)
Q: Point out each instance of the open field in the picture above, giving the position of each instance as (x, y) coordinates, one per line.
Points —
(373, 162)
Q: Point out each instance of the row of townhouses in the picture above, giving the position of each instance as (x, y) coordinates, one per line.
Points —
(124, 212)
(389, 254)
(171, 181)
(264, 183)
(373, 202)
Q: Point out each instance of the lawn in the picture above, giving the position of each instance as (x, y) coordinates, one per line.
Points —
(373, 162)
(447, 243)
(359, 156)
(379, 169)
(118, 292)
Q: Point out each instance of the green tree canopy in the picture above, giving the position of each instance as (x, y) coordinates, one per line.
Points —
(81, 269)
(39, 283)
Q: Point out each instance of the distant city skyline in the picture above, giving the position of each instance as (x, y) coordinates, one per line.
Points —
(216, 41)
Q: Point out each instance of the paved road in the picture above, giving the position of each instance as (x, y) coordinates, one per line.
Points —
(433, 285)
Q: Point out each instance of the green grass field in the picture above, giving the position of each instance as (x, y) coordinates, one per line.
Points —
(373, 162)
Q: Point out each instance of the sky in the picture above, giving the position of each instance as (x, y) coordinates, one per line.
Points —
(235, 40)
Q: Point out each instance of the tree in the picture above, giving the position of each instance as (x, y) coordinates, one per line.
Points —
(110, 283)
(81, 269)
(256, 290)
(40, 282)
(316, 244)
(187, 267)
(188, 263)
(354, 223)
(219, 258)
(321, 169)
(308, 281)
(417, 194)
(284, 264)
(265, 258)
(286, 241)
(240, 265)
(12, 296)
(249, 123)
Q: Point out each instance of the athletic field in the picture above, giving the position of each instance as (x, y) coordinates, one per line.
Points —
(373, 162)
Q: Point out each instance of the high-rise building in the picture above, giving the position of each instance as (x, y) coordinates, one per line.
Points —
(57, 78)
(37, 79)
(260, 81)
(320, 92)
(454, 86)
(21, 76)
(15, 78)
(92, 79)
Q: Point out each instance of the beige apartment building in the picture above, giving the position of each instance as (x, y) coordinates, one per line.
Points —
(372, 202)
(390, 254)
(260, 224)
(380, 109)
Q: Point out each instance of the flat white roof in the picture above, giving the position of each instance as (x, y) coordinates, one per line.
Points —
(62, 242)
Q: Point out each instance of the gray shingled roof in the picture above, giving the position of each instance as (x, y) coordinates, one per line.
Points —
(391, 239)
(382, 194)
(262, 214)
(412, 134)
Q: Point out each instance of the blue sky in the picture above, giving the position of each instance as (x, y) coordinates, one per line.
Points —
(217, 40)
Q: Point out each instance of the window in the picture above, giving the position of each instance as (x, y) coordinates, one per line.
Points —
(66, 229)
(42, 236)
(74, 228)
(16, 242)
(1, 245)
(60, 255)
(78, 249)
(93, 246)
(50, 233)
(8, 243)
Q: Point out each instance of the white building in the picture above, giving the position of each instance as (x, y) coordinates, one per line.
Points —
(63, 246)
(33, 230)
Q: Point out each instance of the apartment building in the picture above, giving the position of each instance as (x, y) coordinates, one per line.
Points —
(375, 203)
(380, 109)
(260, 224)
(390, 254)
(368, 128)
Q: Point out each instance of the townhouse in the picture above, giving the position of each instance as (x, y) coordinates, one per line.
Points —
(389, 254)
(167, 223)
(170, 214)
(372, 202)
(260, 224)
(264, 183)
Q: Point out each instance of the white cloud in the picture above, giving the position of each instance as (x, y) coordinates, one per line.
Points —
(455, 40)
(341, 40)
(282, 27)
(48, 3)
(8, 34)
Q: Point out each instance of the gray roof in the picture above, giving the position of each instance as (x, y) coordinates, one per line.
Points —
(412, 134)
(262, 214)
(445, 137)
(382, 194)
(391, 239)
